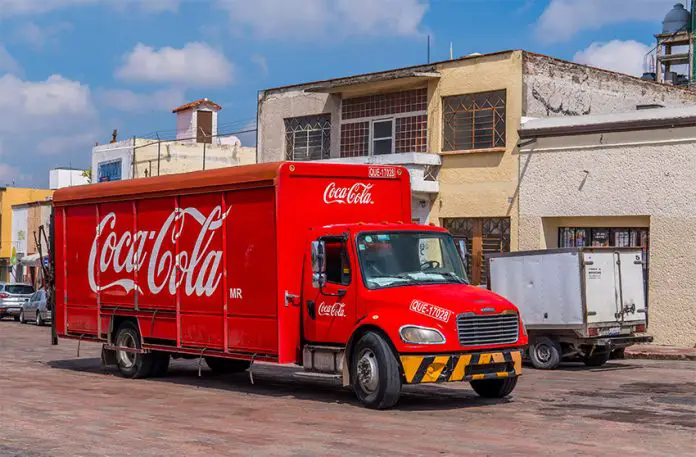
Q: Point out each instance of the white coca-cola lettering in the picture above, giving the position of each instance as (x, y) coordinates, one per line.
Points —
(198, 269)
(357, 194)
(333, 310)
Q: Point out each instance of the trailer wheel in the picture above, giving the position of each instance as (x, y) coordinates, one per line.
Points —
(132, 364)
(160, 363)
(545, 353)
(227, 366)
(494, 388)
(597, 359)
(375, 372)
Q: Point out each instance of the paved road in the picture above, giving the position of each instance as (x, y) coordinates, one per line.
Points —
(55, 404)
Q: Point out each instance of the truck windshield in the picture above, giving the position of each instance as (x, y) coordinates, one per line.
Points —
(409, 258)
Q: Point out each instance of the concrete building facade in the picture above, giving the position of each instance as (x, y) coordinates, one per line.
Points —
(619, 180)
(454, 125)
(66, 177)
(27, 218)
(197, 146)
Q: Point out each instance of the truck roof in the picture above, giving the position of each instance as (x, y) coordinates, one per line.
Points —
(386, 226)
(207, 180)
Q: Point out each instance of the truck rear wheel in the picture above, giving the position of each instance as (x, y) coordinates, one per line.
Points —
(132, 364)
(494, 388)
(597, 359)
(545, 353)
(375, 374)
(227, 366)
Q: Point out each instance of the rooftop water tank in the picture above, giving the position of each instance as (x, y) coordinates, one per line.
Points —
(677, 20)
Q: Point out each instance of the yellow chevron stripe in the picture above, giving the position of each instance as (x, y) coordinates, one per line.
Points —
(433, 372)
(458, 372)
(502, 374)
(517, 359)
(476, 377)
(484, 359)
(498, 357)
(410, 364)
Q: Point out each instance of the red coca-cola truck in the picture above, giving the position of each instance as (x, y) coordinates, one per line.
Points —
(313, 264)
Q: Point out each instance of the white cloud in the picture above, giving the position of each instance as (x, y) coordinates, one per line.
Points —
(32, 115)
(196, 64)
(309, 18)
(63, 144)
(622, 56)
(127, 100)
(33, 7)
(7, 63)
(38, 36)
(261, 62)
(562, 19)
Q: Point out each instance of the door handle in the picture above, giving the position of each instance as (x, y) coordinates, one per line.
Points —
(311, 311)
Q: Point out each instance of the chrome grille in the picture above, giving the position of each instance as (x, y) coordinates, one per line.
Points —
(479, 330)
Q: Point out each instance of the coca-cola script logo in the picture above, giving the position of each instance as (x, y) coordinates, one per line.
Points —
(357, 194)
(332, 310)
(124, 253)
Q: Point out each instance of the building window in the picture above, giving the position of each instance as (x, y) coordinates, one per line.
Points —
(385, 123)
(308, 137)
(477, 237)
(382, 136)
(109, 171)
(474, 121)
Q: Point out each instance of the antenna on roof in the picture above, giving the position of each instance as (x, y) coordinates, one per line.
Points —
(451, 52)
(428, 48)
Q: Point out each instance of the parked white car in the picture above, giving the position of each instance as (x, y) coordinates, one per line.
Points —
(36, 309)
(12, 297)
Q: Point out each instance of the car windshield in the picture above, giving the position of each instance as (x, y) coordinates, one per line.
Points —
(409, 258)
(19, 289)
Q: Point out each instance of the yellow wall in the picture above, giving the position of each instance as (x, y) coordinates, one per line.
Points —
(15, 196)
(478, 184)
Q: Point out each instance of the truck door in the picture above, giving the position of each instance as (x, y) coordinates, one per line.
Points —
(329, 312)
(614, 286)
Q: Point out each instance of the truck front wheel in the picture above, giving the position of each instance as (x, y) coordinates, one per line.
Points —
(494, 388)
(375, 372)
(132, 364)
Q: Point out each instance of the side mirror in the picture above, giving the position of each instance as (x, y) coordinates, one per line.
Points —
(318, 264)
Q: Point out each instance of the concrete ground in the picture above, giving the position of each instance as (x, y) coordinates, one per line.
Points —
(55, 404)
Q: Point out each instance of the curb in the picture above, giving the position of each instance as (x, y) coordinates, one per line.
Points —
(659, 356)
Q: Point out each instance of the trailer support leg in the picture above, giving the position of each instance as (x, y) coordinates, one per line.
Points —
(251, 367)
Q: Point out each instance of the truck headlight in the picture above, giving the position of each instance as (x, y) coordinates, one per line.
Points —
(413, 334)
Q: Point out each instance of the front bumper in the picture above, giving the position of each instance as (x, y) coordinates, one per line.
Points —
(471, 366)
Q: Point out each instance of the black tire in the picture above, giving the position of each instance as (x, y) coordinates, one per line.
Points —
(39, 320)
(227, 366)
(131, 364)
(597, 359)
(618, 353)
(160, 364)
(372, 355)
(545, 353)
(16, 318)
(494, 388)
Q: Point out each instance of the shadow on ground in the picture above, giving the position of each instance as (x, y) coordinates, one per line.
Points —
(282, 381)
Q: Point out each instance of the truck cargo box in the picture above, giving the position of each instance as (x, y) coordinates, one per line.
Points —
(208, 259)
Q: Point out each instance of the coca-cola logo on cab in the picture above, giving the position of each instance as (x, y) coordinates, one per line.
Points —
(332, 310)
(198, 269)
(357, 194)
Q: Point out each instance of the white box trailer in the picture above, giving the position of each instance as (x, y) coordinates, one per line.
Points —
(576, 303)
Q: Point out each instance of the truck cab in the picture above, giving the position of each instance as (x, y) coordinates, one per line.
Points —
(391, 304)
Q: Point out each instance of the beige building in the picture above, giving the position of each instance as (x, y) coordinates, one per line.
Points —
(197, 145)
(454, 125)
(27, 218)
(624, 179)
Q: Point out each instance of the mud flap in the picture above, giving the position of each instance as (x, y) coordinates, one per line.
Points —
(108, 357)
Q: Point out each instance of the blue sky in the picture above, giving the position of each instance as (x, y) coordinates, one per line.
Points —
(73, 70)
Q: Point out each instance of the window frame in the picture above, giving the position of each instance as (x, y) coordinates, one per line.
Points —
(445, 149)
(346, 280)
(309, 124)
(118, 161)
(392, 119)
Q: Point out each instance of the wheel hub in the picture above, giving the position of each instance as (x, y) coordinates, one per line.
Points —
(543, 353)
(368, 371)
(127, 359)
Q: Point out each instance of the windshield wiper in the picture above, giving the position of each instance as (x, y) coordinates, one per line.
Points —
(453, 275)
